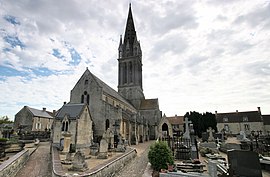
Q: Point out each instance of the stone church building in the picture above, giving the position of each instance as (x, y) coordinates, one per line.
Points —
(126, 112)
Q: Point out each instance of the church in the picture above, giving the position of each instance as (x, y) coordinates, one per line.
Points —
(126, 112)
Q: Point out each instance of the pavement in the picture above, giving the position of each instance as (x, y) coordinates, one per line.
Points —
(139, 166)
(39, 163)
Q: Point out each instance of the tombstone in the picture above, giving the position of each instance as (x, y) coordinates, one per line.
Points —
(187, 132)
(109, 137)
(204, 136)
(212, 168)
(120, 147)
(78, 163)
(243, 136)
(1, 135)
(103, 149)
(244, 163)
(194, 150)
(68, 160)
(67, 140)
(211, 137)
(94, 149)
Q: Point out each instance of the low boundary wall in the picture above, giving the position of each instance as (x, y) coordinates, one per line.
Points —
(10, 167)
(108, 169)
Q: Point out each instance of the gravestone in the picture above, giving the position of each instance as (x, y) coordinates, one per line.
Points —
(1, 135)
(243, 136)
(109, 137)
(94, 148)
(68, 160)
(67, 141)
(211, 137)
(212, 168)
(120, 147)
(186, 135)
(78, 163)
(103, 149)
(244, 163)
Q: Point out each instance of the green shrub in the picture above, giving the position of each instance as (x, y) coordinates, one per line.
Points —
(3, 139)
(160, 155)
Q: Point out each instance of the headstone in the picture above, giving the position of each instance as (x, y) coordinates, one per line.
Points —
(1, 135)
(103, 149)
(109, 137)
(78, 163)
(67, 141)
(211, 137)
(94, 149)
(68, 160)
(120, 147)
(186, 135)
(244, 163)
(212, 168)
(243, 134)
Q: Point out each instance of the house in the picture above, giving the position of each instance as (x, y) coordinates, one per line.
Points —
(31, 119)
(76, 120)
(171, 126)
(234, 122)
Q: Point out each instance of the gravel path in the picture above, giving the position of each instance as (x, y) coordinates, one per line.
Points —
(137, 166)
(39, 163)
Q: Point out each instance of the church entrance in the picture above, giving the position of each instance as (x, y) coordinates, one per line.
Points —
(165, 130)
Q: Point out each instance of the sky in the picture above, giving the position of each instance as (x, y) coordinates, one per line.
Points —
(198, 55)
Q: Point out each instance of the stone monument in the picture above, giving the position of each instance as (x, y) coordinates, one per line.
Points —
(78, 163)
(103, 149)
(211, 137)
(67, 140)
(186, 135)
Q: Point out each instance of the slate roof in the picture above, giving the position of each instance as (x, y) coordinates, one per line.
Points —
(236, 117)
(110, 91)
(266, 119)
(149, 104)
(39, 113)
(176, 120)
(72, 110)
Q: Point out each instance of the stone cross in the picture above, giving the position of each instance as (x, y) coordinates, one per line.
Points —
(211, 137)
(187, 132)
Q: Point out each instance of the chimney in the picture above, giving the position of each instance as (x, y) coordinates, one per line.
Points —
(236, 111)
(43, 109)
(175, 115)
(259, 110)
(54, 112)
(65, 102)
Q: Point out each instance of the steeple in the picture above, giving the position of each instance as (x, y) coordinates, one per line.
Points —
(130, 64)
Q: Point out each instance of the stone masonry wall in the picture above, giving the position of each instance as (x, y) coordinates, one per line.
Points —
(102, 170)
(11, 166)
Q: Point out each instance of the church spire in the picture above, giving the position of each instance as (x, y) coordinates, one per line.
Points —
(130, 33)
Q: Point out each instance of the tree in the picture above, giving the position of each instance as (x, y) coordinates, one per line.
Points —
(201, 122)
(5, 120)
(160, 155)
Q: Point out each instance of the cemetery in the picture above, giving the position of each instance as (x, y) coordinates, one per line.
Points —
(217, 154)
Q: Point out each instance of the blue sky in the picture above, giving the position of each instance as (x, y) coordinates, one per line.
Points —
(197, 55)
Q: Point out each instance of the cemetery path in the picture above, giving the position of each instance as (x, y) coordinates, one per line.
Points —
(137, 166)
(39, 163)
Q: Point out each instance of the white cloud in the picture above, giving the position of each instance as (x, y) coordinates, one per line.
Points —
(197, 55)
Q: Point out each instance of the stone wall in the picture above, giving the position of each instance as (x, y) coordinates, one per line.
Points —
(102, 170)
(11, 166)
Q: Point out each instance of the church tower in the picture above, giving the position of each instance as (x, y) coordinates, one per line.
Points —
(130, 64)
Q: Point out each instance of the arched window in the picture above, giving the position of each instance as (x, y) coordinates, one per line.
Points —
(130, 72)
(88, 99)
(82, 99)
(107, 124)
(86, 82)
(66, 128)
(125, 73)
(63, 126)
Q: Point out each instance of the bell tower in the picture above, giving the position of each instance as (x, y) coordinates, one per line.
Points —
(130, 64)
